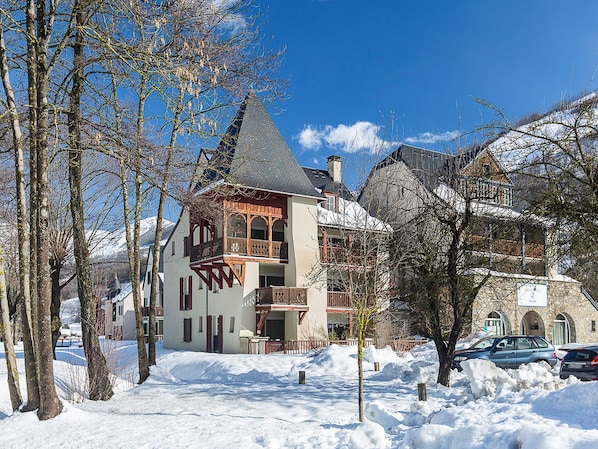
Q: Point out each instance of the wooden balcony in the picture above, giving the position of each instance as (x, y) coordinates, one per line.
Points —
(235, 246)
(339, 255)
(341, 300)
(338, 300)
(505, 247)
(159, 311)
(281, 296)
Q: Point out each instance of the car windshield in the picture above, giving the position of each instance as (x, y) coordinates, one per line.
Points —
(484, 343)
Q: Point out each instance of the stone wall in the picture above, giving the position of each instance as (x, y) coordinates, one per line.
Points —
(564, 297)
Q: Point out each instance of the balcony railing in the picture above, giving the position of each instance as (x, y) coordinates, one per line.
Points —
(159, 311)
(238, 246)
(281, 295)
(341, 256)
(339, 299)
(506, 247)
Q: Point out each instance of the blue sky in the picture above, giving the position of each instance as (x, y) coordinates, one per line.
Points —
(365, 74)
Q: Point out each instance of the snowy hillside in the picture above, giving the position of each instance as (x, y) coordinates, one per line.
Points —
(519, 147)
(113, 245)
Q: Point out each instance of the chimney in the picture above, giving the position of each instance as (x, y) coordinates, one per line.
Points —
(334, 168)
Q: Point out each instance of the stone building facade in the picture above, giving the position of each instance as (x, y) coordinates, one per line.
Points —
(554, 307)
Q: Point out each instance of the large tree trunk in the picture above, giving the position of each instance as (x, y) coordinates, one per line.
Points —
(100, 387)
(14, 388)
(24, 298)
(50, 405)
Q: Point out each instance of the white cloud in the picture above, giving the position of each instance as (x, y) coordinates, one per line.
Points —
(358, 137)
(433, 137)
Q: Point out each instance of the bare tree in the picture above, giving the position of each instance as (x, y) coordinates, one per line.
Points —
(554, 156)
(7, 337)
(439, 205)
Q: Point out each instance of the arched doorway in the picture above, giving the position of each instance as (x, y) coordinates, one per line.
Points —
(561, 330)
(496, 323)
(532, 324)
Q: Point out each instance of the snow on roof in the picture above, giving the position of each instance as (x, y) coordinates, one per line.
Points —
(350, 215)
(125, 290)
(482, 209)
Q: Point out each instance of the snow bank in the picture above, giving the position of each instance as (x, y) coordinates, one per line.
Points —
(369, 435)
(486, 379)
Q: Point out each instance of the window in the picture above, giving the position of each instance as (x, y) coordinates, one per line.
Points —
(593, 326)
(185, 293)
(187, 329)
(507, 196)
(186, 246)
(278, 231)
(525, 343)
(172, 248)
(330, 203)
(232, 324)
(269, 281)
(259, 229)
(149, 277)
(200, 324)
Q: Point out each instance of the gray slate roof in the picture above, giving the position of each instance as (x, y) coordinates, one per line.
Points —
(427, 165)
(252, 153)
(322, 180)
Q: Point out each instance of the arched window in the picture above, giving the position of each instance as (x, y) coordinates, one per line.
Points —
(236, 226)
(495, 324)
(561, 330)
(278, 231)
(259, 229)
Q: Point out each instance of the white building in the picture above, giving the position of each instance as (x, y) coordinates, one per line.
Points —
(243, 263)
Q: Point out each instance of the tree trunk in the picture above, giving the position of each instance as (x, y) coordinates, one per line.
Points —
(157, 254)
(55, 271)
(100, 387)
(14, 388)
(50, 405)
(24, 298)
(360, 341)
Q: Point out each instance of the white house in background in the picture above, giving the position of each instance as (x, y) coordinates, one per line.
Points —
(247, 268)
(145, 288)
(119, 312)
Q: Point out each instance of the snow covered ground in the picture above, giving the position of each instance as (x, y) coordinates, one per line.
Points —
(198, 400)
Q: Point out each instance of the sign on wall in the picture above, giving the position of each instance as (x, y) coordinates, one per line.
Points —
(532, 295)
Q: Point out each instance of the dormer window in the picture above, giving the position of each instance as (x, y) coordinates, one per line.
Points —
(330, 203)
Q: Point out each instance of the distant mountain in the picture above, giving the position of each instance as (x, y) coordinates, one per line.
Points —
(112, 245)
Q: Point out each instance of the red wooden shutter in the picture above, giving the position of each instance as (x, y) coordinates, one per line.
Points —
(209, 333)
(181, 293)
(190, 302)
(220, 333)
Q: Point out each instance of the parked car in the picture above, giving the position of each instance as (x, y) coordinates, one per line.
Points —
(581, 363)
(508, 351)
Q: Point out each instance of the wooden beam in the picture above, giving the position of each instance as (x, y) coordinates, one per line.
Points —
(233, 271)
(302, 315)
(263, 314)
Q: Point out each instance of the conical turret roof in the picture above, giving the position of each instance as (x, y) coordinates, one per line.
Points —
(252, 153)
